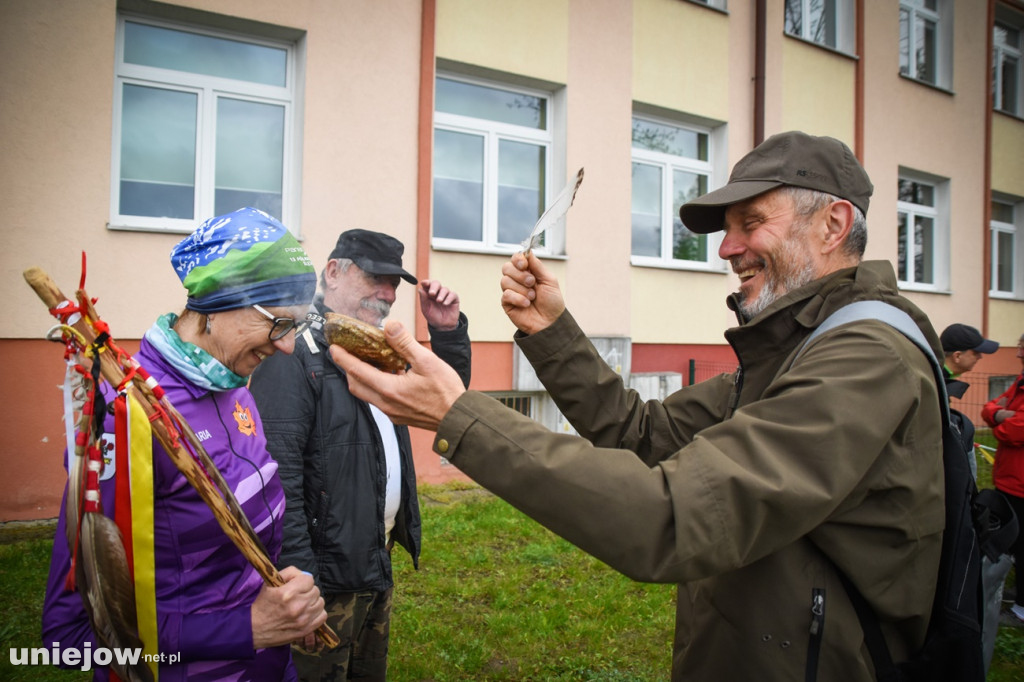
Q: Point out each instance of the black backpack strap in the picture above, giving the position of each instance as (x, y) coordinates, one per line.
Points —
(885, 669)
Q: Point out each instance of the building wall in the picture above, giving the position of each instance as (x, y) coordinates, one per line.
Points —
(364, 143)
(1006, 317)
(934, 131)
(359, 169)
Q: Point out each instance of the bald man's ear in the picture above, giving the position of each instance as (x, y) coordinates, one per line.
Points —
(838, 223)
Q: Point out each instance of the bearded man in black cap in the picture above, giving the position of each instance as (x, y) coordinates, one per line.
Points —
(347, 471)
(753, 490)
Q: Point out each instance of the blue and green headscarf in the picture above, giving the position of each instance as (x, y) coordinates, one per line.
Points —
(241, 259)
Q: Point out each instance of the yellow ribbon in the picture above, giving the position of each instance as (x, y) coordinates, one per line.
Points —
(140, 456)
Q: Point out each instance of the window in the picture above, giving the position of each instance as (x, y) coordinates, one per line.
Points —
(1007, 278)
(493, 165)
(671, 165)
(1006, 71)
(520, 402)
(925, 41)
(203, 125)
(825, 22)
(922, 229)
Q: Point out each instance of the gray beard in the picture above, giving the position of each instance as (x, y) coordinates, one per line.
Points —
(778, 282)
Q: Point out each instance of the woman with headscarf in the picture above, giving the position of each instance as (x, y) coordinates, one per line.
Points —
(249, 285)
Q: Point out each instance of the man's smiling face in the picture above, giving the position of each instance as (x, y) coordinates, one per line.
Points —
(770, 248)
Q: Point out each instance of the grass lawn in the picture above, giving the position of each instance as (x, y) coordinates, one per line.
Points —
(497, 597)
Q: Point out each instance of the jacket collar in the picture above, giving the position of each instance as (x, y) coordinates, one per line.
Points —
(791, 318)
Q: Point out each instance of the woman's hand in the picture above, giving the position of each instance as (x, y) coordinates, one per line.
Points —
(282, 615)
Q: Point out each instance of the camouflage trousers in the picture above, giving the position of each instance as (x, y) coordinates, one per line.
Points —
(363, 622)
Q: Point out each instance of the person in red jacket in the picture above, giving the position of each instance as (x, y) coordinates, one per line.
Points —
(1005, 415)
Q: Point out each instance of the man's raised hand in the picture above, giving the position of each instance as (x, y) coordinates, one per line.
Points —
(530, 294)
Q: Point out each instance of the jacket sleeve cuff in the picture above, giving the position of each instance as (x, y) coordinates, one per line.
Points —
(460, 417)
(461, 329)
(550, 341)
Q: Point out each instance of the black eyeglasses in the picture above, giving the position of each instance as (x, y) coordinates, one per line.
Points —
(282, 325)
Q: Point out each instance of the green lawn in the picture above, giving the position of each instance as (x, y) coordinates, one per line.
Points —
(496, 597)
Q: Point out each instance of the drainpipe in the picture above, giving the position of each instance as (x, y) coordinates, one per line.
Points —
(424, 170)
(760, 29)
(858, 87)
(986, 213)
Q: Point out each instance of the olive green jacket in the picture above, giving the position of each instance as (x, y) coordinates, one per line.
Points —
(738, 487)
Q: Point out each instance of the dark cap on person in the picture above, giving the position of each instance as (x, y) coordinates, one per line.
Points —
(795, 159)
(961, 337)
(374, 252)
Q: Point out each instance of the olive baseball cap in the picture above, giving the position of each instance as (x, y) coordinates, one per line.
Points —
(794, 158)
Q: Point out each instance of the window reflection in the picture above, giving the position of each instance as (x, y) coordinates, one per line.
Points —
(458, 185)
(250, 156)
(158, 152)
(646, 213)
(478, 101)
(167, 48)
(521, 197)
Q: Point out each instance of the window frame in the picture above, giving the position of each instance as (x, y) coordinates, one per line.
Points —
(493, 133)
(942, 17)
(1000, 50)
(720, 5)
(845, 29)
(1016, 230)
(208, 90)
(667, 163)
(939, 213)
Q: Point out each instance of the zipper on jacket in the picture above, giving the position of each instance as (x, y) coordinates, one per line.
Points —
(817, 631)
(737, 386)
(319, 519)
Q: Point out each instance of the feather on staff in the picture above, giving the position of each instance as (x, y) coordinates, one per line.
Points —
(100, 566)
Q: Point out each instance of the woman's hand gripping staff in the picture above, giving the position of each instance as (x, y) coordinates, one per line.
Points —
(287, 613)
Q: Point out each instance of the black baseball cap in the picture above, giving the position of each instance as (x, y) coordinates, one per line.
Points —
(794, 158)
(374, 252)
(963, 337)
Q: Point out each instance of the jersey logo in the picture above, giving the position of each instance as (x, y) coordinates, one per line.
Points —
(242, 415)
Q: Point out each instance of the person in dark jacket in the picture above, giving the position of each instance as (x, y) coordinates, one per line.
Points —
(962, 348)
(753, 490)
(347, 471)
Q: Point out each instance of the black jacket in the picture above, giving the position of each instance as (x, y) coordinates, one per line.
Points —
(331, 463)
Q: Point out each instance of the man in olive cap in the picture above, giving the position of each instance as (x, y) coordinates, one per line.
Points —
(752, 491)
(347, 471)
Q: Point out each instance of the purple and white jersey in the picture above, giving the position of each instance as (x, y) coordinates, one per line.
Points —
(205, 587)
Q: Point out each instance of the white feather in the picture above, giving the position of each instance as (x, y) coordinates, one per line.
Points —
(554, 212)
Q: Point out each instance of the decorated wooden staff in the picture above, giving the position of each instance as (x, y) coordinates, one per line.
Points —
(105, 566)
